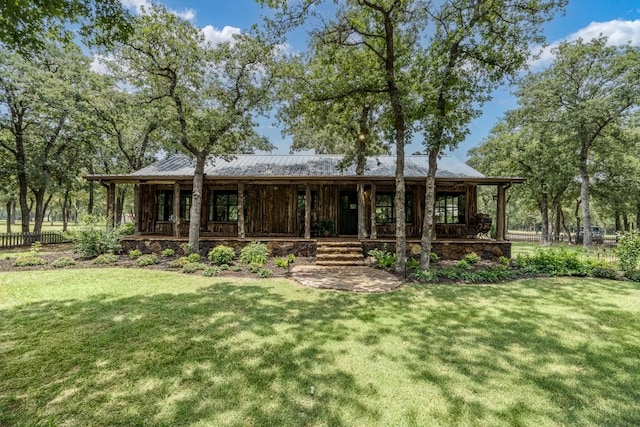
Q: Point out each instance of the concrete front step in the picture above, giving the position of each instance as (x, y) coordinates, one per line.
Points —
(341, 256)
(339, 263)
(337, 250)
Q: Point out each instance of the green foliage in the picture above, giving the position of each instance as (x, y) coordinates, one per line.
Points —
(224, 267)
(471, 258)
(211, 271)
(264, 273)
(168, 252)
(285, 262)
(149, 259)
(35, 248)
(127, 229)
(554, 262)
(463, 265)
(425, 276)
(493, 274)
(633, 275)
(254, 253)
(605, 272)
(94, 238)
(433, 257)
(221, 254)
(193, 257)
(628, 251)
(504, 260)
(383, 258)
(413, 264)
(108, 258)
(254, 267)
(192, 267)
(180, 262)
(135, 254)
(64, 261)
(236, 268)
(26, 260)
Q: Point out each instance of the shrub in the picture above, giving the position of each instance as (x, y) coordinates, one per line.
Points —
(236, 268)
(192, 267)
(35, 248)
(463, 265)
(194, 257)
(433, 257)
(135, 254)
(127, 229)
(168, 252)
(254, 253)
(604, 272)
(285, 262)
(94, 238)
(145, 260)
(633, 275)
(62, 262)
(104, 259)
(413, 264)
(628, 251)
(451, 273)
(221, 254)
(264, 273)
(504, 260)
(493, 274)
(26, 260)
(553, 262)
(426, 276)
(224, 267)
(383, 258)
(254, 267)
(180, 262)
(471, 258)
(211, 271)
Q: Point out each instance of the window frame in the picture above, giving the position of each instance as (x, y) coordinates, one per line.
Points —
(229, 207)
(452, 213)
(408, 208)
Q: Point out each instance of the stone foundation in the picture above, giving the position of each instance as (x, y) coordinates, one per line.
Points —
(490, 250)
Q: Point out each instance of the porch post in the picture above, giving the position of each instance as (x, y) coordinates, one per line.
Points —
(307, 212)
(176, 209)
(501, 214)
(374, 231)
(111, 204)
(241, 232)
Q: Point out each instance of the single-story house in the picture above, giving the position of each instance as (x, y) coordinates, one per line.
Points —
(294, 198)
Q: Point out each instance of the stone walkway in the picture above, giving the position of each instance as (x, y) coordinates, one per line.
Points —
(354, 279)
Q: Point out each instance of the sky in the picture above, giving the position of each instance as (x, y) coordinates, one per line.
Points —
(586, 19)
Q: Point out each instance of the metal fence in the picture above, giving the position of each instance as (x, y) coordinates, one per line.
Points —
(10, 240)
(523, 236)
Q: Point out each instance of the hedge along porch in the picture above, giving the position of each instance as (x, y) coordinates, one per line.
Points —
(306, 197)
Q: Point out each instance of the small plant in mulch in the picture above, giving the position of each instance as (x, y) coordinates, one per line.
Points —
(145, 260)
(63, 262)
(471, 258)
(31, 257)
(180, 262)
(168, 253)
(194, 257)
(254, 253)
(264, 273)
(105, 259)
(211, 271)
(192, 267)
(135, 254)
(221, 254)
(383, 258)
(285, 262)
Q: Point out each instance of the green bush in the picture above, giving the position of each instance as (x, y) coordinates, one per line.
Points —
(135, 254)
(26, 260)
(254, 253)
(93, 238)
(211, 271)
(605, 272)
(221, 254)
(463, 265)
(383, 258)
(264, 273)
(285, 262)
(504, 260)
(104, 259)
(553, 262)
(192, 267)
(471, 258)
(194, 257)
(628, 251)
(493, 274)
(236, 268)
(62, 262)
(413, 264)
(426, 276)
(633, 275)
(127, 229)
(224, 267)
(254, 267)
(180, 262)
(168, 252)
(433, 257)
(145, 260)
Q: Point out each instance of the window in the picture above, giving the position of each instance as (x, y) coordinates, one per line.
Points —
(165, 205)
(450, 208)
(386, 209)
(302, 195)
(223, 206)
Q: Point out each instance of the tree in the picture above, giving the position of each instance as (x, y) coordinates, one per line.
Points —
(27, 26)
(214, 91)
(590, 88)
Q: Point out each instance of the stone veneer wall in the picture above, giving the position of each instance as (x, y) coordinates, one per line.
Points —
(490, 250)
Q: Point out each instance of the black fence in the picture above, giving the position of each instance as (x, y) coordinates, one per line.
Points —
(11, 240)
(524, 236)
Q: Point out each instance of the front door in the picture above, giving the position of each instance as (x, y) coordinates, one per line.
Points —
(348, 213)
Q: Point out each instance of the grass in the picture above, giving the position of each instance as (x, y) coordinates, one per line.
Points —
(115, 346)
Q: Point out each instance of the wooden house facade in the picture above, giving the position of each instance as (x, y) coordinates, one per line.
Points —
(307, 197)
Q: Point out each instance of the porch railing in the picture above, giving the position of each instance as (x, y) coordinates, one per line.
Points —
(11, 240)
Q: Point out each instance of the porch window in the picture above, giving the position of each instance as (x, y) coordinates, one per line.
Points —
(302, 195)
(223, 206)
(450, 208)
(165, 205)
(386, 208)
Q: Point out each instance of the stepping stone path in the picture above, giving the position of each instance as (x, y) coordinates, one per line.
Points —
(352, 278)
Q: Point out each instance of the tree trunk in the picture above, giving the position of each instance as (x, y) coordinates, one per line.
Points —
(625, 221)
(638, 216)
(564, 225)
(66, 206)
(196, 202)
(577, 216)
(618, 220)
(136, 207)
(9, 207)
(22, 197)
(544, 213)
(360, 166)
(584, 198)
(41, 206)
(429, 206)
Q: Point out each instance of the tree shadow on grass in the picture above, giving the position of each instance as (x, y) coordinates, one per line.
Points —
(229, 354)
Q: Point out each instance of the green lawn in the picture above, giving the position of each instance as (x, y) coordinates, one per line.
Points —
(107, 347)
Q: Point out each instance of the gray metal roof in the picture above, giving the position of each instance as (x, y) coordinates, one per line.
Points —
(284, 166)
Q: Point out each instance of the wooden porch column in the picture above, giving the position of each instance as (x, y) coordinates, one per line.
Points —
(241, 233)
(374, 231)
(176, 209)
(307, 212)
(111, 204)
(501, 214)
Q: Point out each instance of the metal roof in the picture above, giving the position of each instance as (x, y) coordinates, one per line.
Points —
(299, 166)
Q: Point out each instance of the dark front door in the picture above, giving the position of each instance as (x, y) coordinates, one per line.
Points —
(348, 213)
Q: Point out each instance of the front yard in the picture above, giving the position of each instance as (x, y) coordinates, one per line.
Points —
(147, 347)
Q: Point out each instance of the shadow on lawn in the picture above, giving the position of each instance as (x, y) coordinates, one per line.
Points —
(245, 355)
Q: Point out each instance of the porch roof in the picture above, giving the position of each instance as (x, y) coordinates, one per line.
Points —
(303, 167)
